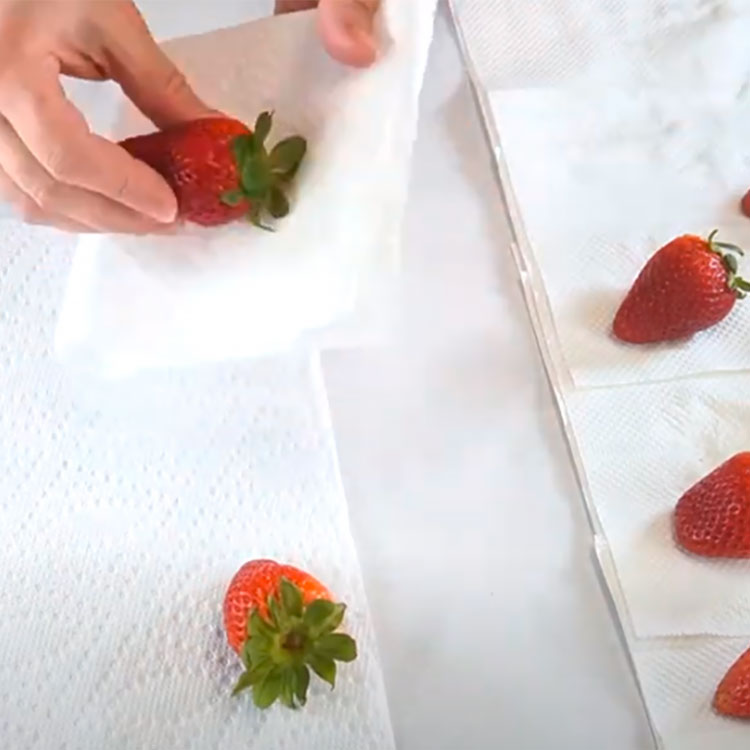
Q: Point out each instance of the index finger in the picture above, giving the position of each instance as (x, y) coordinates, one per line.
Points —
(57, 134)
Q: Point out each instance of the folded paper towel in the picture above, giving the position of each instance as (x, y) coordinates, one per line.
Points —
(692, 425)
(209, 295)
(678, 678)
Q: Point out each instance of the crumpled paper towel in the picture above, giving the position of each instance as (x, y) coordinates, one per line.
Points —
(125, 508)
(217, 294)
(641, 140)
(642, 447)
(678, 678)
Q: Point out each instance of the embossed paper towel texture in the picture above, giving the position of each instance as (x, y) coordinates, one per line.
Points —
(642, 447)
(124, 511)
(678, 678)
(641, 140)
(210, 295)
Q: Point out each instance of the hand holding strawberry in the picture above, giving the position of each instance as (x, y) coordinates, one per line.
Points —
(221, 171)
(689, 285)
(282, 622)
(713, 517)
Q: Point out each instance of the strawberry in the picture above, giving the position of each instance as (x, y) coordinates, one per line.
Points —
(713, 517)
(733, 694)
(689, 284)
(281, 621)
(219, 170)
(745, 203)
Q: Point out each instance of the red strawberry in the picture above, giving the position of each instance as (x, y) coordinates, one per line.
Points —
(220, 170)
(687, 286)
(713, 517)
(733, 694)
(745, 203)
(281, 621)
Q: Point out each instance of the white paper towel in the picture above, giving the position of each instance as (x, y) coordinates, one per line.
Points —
(642, 448)
(627, 131)
(602, 178)
(678, 678)
(209, 295)
(125, 509)
(615, 123)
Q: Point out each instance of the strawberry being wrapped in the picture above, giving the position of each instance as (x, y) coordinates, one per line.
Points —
(689, 285)
(220, 170)
(282, 622)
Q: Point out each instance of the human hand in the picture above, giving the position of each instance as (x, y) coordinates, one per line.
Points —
(346, 27)
(52, 168)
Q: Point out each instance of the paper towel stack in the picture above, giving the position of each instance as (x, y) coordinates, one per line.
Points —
(618, 126)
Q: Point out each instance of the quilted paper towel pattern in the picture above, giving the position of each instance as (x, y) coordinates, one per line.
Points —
(124, 510)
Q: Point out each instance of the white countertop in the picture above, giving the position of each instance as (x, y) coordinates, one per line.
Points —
(493, 627)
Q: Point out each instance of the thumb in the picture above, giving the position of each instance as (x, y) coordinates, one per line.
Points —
(347, 28)
(150, 79)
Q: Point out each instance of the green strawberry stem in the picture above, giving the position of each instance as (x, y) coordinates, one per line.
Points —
(725, 251)
(281, 650)
(264, 175)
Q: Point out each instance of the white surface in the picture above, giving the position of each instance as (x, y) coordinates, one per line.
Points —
(125, 513)
(657, 50)
(209, 295)
(617, 173)
(679, 678)
(493, 628)
(693, 426)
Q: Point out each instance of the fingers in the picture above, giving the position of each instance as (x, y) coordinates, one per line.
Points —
(42, 199)
(150, 79)
(347, 29)
(56, 135)
(29, 212)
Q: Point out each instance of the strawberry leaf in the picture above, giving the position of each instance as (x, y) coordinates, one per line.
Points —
(338, 646)
(287, 155)
(730, 261)
(324, 667)
(322, 617)
(268, 689)
(278, 204)
(287, 689)
(242, 147)
(243, 683)
(301, 683)
(262, 127)
(741, 284)
(255, 177)
(291, 598)
(233, 197)
(278, 616)
(257, 626)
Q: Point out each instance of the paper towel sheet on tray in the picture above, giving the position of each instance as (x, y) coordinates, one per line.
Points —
(124, 510)
(602, 178)
(692, 426)
(518, 44)
(209, 295)
(678, 678)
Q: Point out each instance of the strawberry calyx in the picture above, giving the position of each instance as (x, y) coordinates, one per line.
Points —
(263, 175)
(728, 254)
(283, 647)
